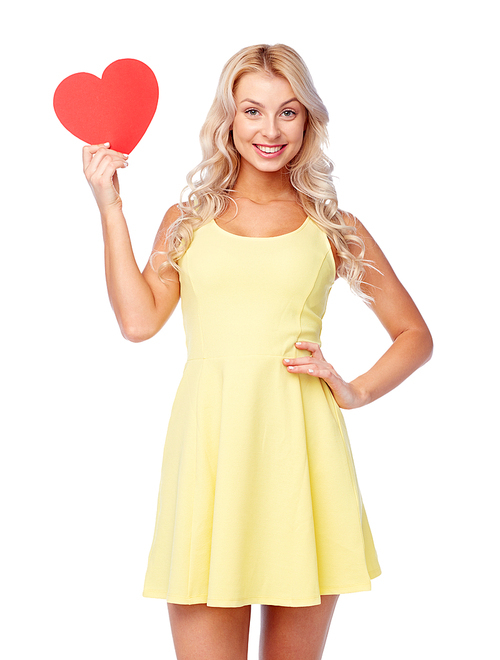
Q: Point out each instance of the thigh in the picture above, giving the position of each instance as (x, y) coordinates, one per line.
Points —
(209, 633)
(295, 633)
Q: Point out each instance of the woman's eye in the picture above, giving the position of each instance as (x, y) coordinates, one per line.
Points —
(253, 112)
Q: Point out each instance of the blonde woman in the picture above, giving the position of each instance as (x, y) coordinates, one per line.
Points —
(258, 501)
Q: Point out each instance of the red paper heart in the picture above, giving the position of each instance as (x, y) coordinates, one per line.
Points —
(116, 108)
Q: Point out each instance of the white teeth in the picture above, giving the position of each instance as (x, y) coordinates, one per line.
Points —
(268, 150)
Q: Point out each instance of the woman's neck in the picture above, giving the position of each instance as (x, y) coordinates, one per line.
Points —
(264, 187)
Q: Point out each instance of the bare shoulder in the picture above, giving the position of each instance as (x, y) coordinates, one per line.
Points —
(158, 253)
(172, 214)
(381, 270)
(350, 220)
(359, 230)
(379, 273)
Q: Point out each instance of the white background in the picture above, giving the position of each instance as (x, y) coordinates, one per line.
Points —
(412, 94)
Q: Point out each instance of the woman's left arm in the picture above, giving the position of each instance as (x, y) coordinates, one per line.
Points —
(411, 340)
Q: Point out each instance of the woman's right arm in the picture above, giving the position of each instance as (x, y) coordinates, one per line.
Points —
(141, 302)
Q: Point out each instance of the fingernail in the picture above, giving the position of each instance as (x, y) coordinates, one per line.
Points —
(287, 360)
(298, 342)
(125, 164)
(310, 370)
(106, 144)
(125, 155)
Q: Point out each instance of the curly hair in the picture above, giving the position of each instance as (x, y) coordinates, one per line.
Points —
(310, 171)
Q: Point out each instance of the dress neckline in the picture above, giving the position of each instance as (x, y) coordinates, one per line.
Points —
(260, 238)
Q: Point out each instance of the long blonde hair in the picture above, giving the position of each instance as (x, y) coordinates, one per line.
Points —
(310, 170)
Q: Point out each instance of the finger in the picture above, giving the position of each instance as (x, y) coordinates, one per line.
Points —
(323, 369)
(307, 359)
(320, 372)
(90, 151)
(328, 375)
(92, 157)
(101, 161)
(107, 168)
(311, 369)
(307, 346)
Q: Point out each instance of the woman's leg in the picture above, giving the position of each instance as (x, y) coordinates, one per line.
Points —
(210, 633)
(295, 633)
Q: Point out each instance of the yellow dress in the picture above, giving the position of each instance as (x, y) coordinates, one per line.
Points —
(258, 500)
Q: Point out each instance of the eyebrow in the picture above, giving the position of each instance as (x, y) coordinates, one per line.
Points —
(261, 106)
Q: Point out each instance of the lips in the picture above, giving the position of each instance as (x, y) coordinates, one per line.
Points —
(270, 149)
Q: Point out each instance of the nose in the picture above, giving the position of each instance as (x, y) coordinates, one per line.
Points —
(271, 129)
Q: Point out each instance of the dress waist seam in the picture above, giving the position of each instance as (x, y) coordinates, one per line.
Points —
(239, 357)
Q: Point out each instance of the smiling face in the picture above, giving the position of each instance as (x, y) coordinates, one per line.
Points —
(268, 128)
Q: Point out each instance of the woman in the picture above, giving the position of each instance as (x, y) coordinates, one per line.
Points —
(258, 500)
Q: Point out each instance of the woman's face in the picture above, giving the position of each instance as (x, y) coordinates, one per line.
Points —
(268, 128)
